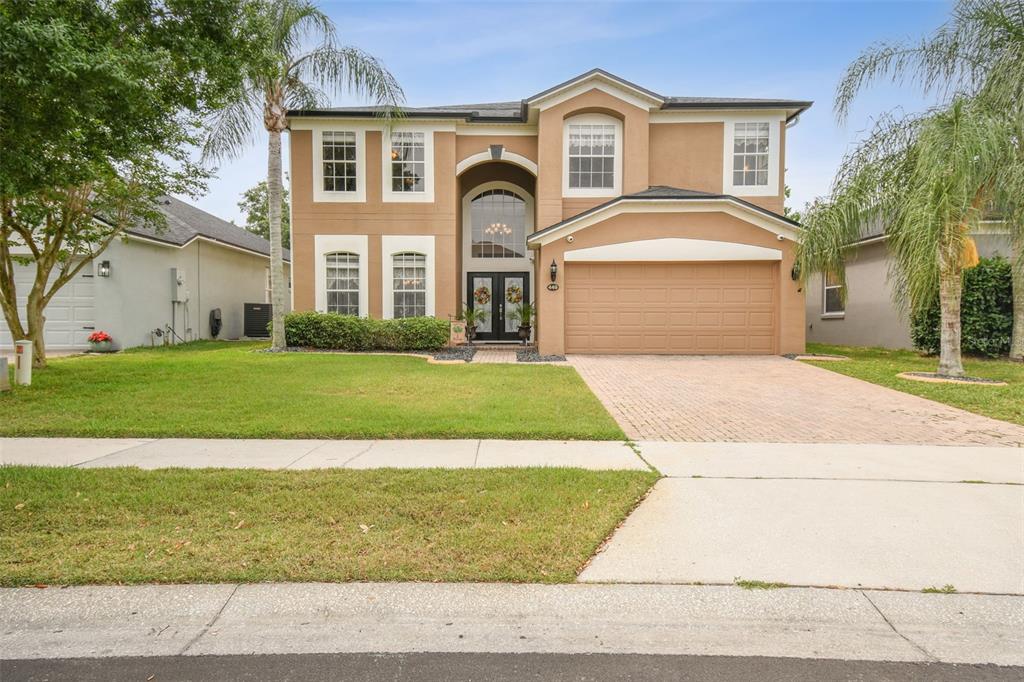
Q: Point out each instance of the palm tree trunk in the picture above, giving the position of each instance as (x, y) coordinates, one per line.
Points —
(278, 286)
(1017, 270)
(950, 290)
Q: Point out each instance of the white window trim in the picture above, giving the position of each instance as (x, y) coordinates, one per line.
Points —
(772, 188)
(471, 264)
(825, 286)
(427, 195)
(583, 119)
(405, 243)
(324, 244)
(319, 193)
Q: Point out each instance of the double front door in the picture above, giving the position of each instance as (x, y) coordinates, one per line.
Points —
(498, 294)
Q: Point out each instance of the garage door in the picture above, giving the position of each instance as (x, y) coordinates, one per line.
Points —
(700, 308)
(70, 316)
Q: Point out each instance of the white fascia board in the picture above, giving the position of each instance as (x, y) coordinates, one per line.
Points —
(371, 123)
(136, 237)
(716, 115)
(778, 227)
(674, 249)
(618, 89)
(496, 129)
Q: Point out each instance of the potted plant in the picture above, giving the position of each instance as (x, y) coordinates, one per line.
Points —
(100, 342)
(524, 313)
(472, 317)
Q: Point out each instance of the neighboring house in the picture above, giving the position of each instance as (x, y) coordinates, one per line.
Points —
(127, 290)
(638, 223)
(870, 316)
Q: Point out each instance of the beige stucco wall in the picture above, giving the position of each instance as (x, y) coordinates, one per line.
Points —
(636, 227)
(374, 218)
(871, 317)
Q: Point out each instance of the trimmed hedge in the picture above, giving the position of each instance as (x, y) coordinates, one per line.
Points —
(986, 312)
(348, 332)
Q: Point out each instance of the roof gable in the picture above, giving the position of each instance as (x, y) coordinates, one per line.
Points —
(601, 80)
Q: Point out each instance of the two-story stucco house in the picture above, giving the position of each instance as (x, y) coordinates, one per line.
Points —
(636, 222)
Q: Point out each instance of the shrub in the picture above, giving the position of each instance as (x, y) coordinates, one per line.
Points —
(986, 312)
(348, 332)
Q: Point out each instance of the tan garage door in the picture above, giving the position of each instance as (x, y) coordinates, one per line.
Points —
(709, 308)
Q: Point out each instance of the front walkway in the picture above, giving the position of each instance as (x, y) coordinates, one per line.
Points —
(771, 399)
(206, 620)
(316, 454)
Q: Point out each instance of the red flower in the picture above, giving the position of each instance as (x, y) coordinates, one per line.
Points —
(99, 337)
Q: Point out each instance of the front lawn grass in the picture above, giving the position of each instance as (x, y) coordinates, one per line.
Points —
(880, 366)
(119, 526)
(225, 390)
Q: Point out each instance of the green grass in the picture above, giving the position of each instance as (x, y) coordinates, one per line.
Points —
(114, 526)
(758, 584)
(880, 366)
(945, 589)
(224, 390)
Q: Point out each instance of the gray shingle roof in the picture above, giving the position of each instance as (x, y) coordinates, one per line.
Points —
(185, 222)
(517, 110)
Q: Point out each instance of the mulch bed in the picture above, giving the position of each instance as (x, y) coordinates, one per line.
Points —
(531, 355)
(936, 378)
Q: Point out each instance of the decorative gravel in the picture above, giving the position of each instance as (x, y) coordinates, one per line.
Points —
(932, 376)
(531, 355)
(465, 353)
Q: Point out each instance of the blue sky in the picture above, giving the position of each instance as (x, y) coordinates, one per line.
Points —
(453, 53)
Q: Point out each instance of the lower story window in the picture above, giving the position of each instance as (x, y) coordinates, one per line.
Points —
(409, 284)
(833, 296)
(343, 283)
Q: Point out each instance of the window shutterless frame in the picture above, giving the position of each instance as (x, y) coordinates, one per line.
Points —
(831, 297)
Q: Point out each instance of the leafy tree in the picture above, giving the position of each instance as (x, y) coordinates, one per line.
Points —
(100, 103)
(789, 212)
(978, 53)
(283, 78)
(255, 204)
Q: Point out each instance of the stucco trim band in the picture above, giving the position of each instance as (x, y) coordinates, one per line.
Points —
(674, 249)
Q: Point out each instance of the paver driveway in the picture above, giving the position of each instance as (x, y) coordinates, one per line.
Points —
(772, 400)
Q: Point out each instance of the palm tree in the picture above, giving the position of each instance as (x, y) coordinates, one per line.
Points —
(928, 179)
(978, 53)
(284, 78)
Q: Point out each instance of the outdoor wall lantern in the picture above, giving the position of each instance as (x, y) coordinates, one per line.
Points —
(554, 270)
(104, 270)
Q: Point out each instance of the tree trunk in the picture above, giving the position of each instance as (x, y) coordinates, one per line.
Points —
(36, 326)
(1017, 268)
(950, 289)
(278, 285)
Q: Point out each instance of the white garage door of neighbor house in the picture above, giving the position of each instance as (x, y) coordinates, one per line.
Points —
(70, 316)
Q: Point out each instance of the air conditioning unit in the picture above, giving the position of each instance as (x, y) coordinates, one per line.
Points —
(257, 319)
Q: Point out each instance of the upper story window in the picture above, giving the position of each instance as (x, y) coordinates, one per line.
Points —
(750, 155)
(408, 162)
(833, 295)
(409, 285)
(342, 283)
(593, 156)
(498, 219)
(339, 161)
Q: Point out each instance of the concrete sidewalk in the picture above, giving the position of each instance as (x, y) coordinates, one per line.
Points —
(408, 617)
(316, 454)
(858, 516)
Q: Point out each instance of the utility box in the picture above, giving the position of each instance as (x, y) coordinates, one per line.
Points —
(178, 293)
(23, 363)
(5, 378)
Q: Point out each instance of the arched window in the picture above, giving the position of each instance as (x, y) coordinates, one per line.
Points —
(343, 283)
(498, 219)
(409, 284)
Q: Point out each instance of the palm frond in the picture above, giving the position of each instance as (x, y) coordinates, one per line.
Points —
(350, 70)
(232, 129)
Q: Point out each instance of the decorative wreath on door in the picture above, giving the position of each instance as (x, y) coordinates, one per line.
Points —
(514, 293)
(482, 295)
